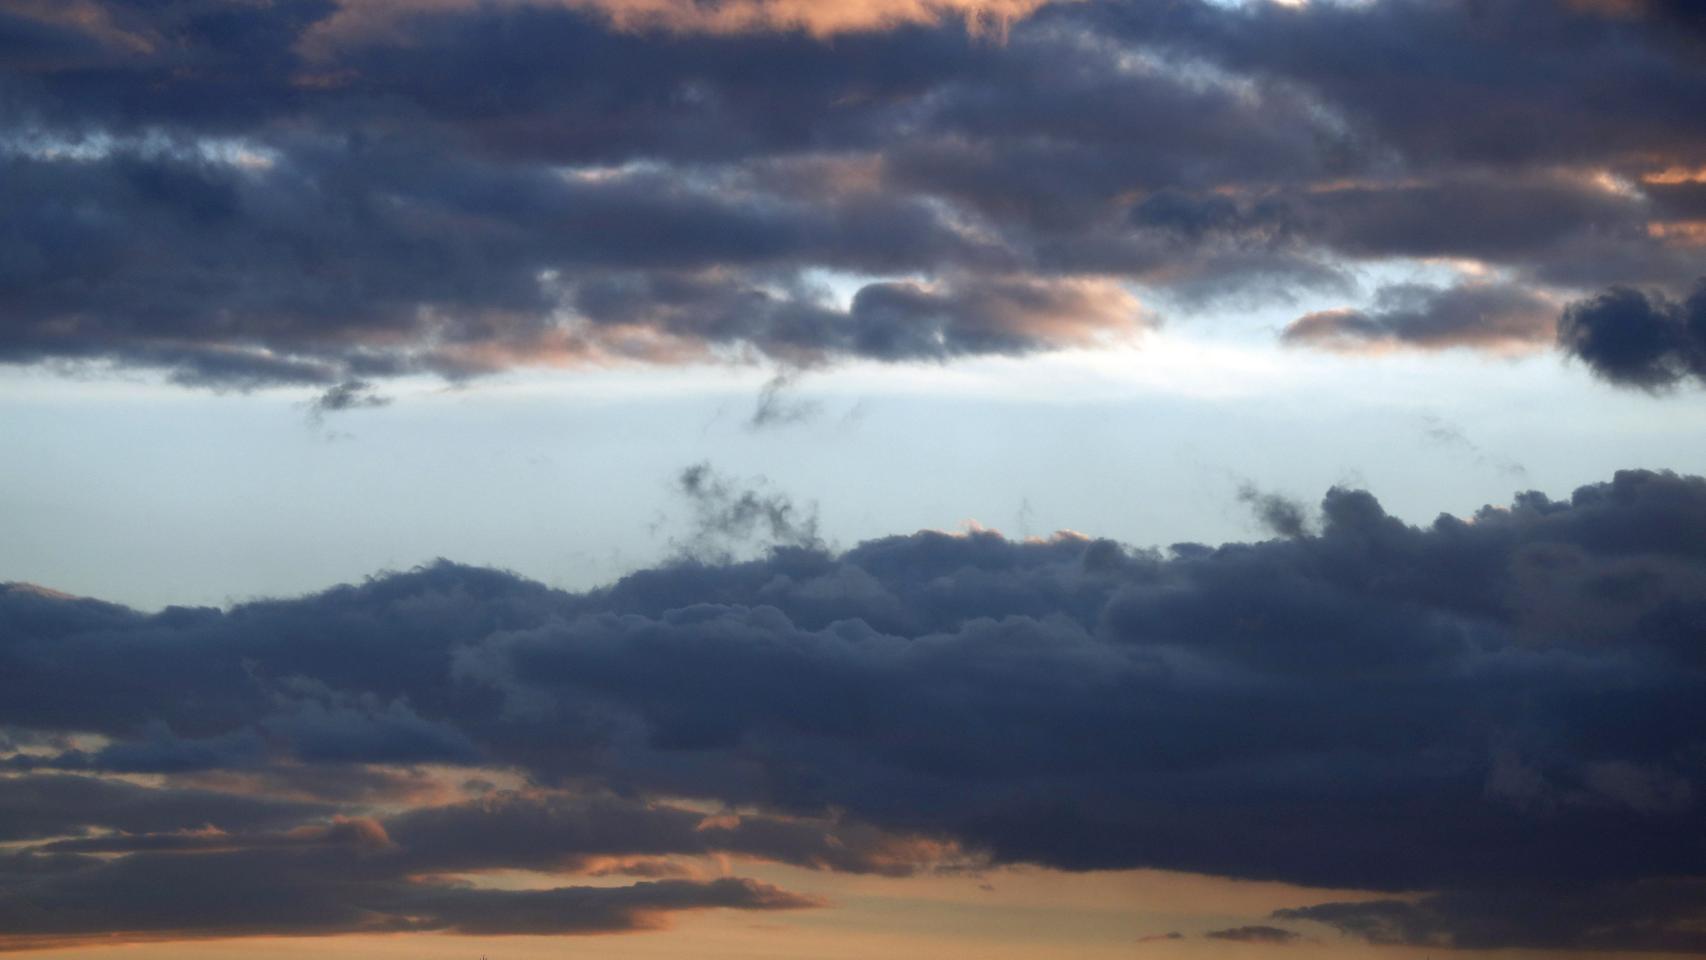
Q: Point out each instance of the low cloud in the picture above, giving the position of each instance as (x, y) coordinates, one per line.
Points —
(775, 408)
(1256, 933)
(1635, 339)
(728, 514)
(1487, 316)
(1510, 701)
(1279, 514)
(349, 395)
(1657, 915)
(310, 193)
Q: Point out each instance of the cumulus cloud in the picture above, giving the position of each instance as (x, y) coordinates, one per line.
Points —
(1634, 339)
(315, 192)
(1507, 702)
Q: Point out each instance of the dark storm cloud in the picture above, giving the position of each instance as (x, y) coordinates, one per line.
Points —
(248, 194)
(1635, 339)
(1510, 702)
(1488, 315)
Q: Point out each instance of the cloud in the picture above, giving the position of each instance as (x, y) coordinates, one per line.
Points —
(1255, 933)
(1449, 436)
(1510, 701)
(726, 515)
(1649, 915)
(329, 890)
(1280, 515)
(49, 805)
(349, 395)
(314, 193)
(1484, 315)
(359, 20)
(1635, 340)
(775, 408)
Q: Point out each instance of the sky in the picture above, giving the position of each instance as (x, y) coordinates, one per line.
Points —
(818, 478)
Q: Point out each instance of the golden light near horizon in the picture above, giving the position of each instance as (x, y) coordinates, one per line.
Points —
(1014, 479)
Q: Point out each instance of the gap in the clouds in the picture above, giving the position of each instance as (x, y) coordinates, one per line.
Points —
(144, 492)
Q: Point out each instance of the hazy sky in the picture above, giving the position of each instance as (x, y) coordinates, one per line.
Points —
(827, 478)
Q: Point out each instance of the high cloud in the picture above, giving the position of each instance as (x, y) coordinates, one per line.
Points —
(316, 192)
(1495, 720)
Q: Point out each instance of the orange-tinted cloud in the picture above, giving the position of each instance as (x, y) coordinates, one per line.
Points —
(1479, 314)
(363, 19)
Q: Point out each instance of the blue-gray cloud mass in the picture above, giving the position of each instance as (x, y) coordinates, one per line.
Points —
(244, 194)
(1506, 709)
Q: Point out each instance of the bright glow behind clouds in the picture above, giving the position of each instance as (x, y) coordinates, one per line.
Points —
(153, 495)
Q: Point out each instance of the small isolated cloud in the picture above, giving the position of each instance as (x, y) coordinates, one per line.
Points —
(348, 395)
(776, 408)
(1449, 436)
(727, 514)
(1256, 933)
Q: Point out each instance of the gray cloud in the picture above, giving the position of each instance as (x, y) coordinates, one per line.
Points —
(775, 408)
(1511, 703)
(727, 514)
(1487, 315)
(1279, 514)
(1255, 933)
(1650, 915)
(349, 395)
(328, 890)
(1632, 339)
(251, 194)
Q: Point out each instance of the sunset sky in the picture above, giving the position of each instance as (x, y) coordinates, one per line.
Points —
(920, 479)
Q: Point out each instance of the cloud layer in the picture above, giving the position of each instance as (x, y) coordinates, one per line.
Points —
(1511, 703)
(310, 191)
